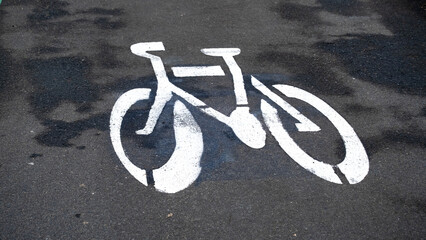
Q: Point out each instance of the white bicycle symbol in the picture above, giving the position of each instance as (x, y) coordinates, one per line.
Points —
(183, 167)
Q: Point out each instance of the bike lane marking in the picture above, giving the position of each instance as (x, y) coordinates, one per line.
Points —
(183, 167)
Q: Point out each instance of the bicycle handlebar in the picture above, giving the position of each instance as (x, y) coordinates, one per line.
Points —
(221, 52)
(141, 49)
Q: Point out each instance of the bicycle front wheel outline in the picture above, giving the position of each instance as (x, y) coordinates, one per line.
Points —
(183, 167)
(355, 165)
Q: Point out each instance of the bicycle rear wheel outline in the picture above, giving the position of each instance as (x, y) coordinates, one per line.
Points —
(355, 165)
(176, 174)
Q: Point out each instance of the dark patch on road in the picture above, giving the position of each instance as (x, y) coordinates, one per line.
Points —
(81, 147)
(47, 10)
(84, 108)
(78, 215)
(298, 12)
(36, 155)
(423, 113)
(108, 24)
(17, 2)
(413, 137)
(310, 14)
(416, 205)
(415, 6)
(397, 61)
(5, 63)
(104, 11)
(230, 135)
(60, 79)
(358, 109)
(310, 72)
(107, 56)
(343, 7)
(401, 115)
(340, 150)
(59, 133)
(48, 50)
(393, 62)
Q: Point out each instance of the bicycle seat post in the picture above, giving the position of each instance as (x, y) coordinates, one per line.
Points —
(141, 49)
(164, 94)
(228, 55)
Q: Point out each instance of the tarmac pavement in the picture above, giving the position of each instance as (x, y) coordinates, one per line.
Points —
(64, 64)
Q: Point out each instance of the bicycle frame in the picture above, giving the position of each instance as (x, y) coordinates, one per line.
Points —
(244, 124)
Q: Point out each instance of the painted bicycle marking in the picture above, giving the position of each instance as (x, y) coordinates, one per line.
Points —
(183, 167)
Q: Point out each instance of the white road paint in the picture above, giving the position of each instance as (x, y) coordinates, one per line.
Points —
(120, 109)
(163, 95)
(251, 133)
(322, 170)
(183, 167)
(198, 71)
(304, 125)
(247, 128)
(355, 166)
(140, 49)
(228, 55)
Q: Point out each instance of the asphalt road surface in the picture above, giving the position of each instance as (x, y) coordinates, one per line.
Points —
(64, 64)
